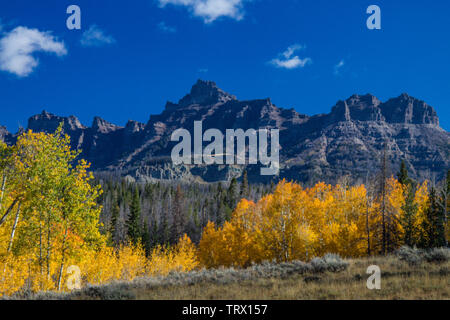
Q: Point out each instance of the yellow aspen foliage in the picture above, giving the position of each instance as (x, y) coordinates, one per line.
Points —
(131, 261)
(293, 223)
(394, 212)
(180, 258)
(345, 221)
(211, 250)
(286, 230)
(241, 235)
(303, 223)
(185, 258)
(100, 266)
(421, 199)
(236, 243)
(49, 220)
(15, 272)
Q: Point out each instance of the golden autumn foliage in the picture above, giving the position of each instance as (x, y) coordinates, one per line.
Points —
(218, 247)
(182, 258)
(296, 223)
(421, 199)
(49, 215)
(129, 262)
(49, 220)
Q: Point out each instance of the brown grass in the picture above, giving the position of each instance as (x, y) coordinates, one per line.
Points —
(398, 281)
(295, 281)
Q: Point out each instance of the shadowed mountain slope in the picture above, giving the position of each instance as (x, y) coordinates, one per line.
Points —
(347, 141)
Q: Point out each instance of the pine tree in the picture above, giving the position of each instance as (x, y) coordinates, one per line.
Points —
(433, 225)
(441, 223)
(410, 209)
(402, 175)
(444, 204)
(164, 231)
(115, 212)
(383, 195)
(134, 218)
(146, 239)
(232, 194)
(244, 186)
(154, 237)
(220, 204)
(179, 219)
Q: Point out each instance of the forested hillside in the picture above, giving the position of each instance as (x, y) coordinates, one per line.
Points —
(165, 211)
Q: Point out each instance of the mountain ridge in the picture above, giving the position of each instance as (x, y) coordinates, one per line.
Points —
(346, 141)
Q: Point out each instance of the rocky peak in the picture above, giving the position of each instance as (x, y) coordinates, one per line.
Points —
(340, 112)
(206, 93)
(134, 126)
(103, 126)
(74, 123)
(363, 102)
(6, 136)
(409, 110)
(48, 122)
(43, 116)
(3, 132)
(358, 108)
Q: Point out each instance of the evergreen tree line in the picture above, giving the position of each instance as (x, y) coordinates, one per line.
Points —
(160, 213)
(436, 213)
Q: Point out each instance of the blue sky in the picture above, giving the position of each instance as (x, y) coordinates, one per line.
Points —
(129, 58)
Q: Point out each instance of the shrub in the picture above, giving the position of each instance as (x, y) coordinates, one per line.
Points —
(109, 292)
(330, 262)
(438, 255)
(335, 263)
(415, 256)
(412, 256)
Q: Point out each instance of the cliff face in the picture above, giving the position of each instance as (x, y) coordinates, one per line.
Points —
(5, 136)
(102, 143)
(347, 141)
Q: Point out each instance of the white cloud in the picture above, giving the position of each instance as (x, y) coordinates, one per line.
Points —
(287, 60)
(210, 10)
(95, 37)
(338, 67)
(18, 48)
(292, 63)
(291, 50)
(166, 28)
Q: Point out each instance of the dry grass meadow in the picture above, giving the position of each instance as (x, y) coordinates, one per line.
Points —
(399, 281)
(407, 274)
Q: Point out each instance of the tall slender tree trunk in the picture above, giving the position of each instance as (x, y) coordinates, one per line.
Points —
(2, 190)
(443, 204)
(8, 211)
(368, 228)
(16, 221)
(383, 204)
(41, 259)
(446, 217)
(49, 249)
(11, 239)
(63, 257)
